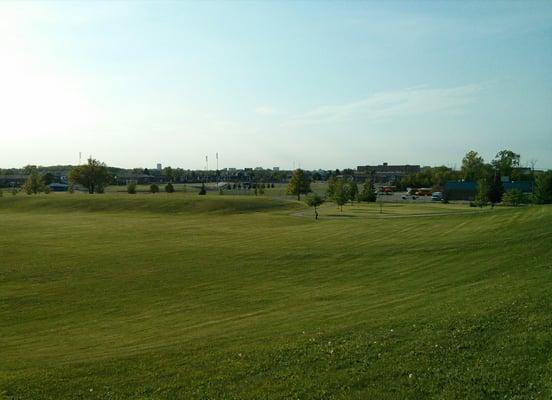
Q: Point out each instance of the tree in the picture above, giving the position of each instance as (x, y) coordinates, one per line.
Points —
(340, 196)
(473, 166)
(513, 197)
(34, 183)
(352, 190)
(368, 193)
(94, 176)
(169, 174)
(202, 191)
(299, 184)
(482, 197)
(543, 188)
(314, 200)
(154, 188)
(332, 182)
(131, 188)
(495, 189)
(505, 161)
(48, 178)
(169, 188)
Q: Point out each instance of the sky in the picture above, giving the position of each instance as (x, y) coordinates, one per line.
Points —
(274, 83)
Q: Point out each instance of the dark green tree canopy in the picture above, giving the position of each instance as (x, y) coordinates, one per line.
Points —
(93, 175)
(473, 166)
(505, 162)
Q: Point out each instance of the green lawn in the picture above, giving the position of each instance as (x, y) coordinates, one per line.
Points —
(186, 297)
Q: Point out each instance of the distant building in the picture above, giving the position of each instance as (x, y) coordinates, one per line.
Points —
(460, 190)
(12, 180)
(159, 167)
(385, 172)
(58, 187)
(467, 190)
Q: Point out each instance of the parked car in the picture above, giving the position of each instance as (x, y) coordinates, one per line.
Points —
(436, 196)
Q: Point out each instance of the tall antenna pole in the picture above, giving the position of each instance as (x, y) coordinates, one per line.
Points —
(80, 158)
(206, 163)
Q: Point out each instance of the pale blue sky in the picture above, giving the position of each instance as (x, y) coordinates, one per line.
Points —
(323, 85)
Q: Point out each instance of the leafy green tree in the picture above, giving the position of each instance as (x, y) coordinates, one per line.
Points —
(131, 188)
(94, 176)
(29, 169)
(473, 166)
(299, 184)
(332, 182)
(48, 178)
(340, 195)
(513, 198)
(368, 193)
(34, 183)
(505, 161)
(314, 200)
(352, 190)
(482, 197)
(169, 174)
(154, 188)
(169, 188)
(543, 188)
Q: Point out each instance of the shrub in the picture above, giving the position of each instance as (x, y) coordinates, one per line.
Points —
(71, 188)
(169, 188)
(131, 188)
(46, 190)
(513, 198)
(202, 191)
(1, 193)
(154, 188)
(14, 191)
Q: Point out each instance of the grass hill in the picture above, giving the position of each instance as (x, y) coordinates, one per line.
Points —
(158, 297)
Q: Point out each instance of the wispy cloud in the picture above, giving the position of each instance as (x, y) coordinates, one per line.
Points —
(266, 111)
(392, 104)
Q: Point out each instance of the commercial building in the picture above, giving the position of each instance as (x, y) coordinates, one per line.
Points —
(385, 173)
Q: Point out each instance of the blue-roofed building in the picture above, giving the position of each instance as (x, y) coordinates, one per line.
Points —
(524, 186)
(58, 187)
(467, 190)
(460, 190)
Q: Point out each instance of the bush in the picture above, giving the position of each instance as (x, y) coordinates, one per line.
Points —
(169, 188)
(14, 191)
(513, 198)
(1, 193)
(71, 188)
(46, 190)
(154, 188)
(131, 188)
(202, 191)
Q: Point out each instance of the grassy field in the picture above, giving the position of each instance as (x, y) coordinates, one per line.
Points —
(186, 297)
